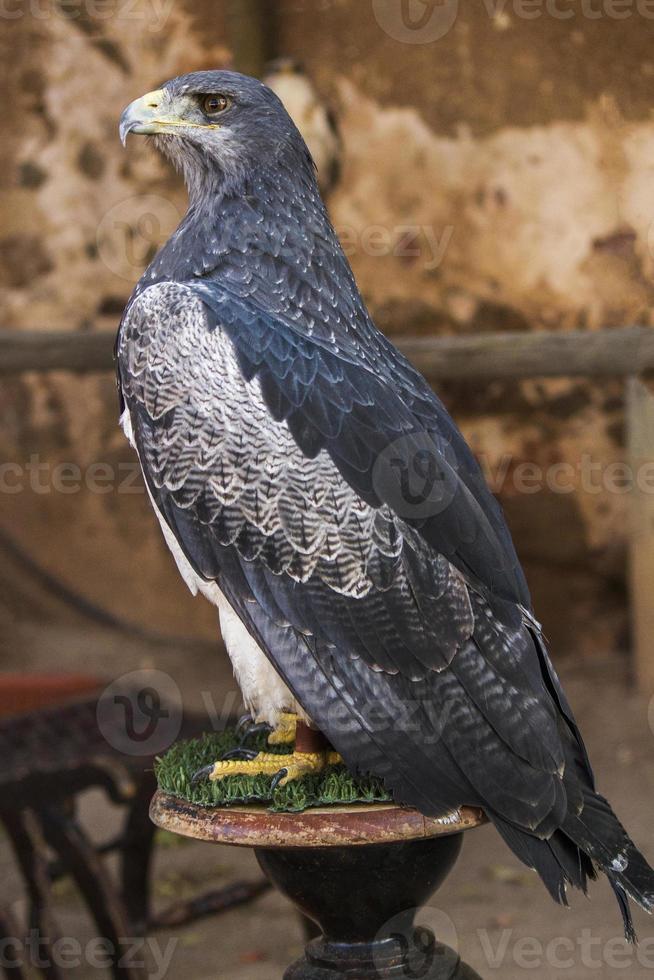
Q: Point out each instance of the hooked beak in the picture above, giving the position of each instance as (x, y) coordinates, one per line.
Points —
(146, 117)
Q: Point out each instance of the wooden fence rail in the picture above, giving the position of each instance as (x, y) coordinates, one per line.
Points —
(601, 353)
(627, 352)
(43, 350)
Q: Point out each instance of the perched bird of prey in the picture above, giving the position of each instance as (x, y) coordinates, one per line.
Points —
(315, 120)
(311, 485)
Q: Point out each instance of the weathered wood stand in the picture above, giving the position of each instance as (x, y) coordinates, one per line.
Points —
(360, 872)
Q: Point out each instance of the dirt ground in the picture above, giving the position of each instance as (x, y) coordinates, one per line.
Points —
(495, 911)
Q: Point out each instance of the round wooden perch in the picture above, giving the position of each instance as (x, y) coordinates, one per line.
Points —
(334, 826)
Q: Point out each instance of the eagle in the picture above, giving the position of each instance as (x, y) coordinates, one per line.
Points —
(313, 487)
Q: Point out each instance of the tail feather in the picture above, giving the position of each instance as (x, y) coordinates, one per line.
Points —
(623, 904)
(536, 854)
(592, 828)
(557, 860)
(575, 865)
(599, 833)
(594, 838)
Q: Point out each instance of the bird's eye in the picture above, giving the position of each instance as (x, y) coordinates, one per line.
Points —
(213, 104)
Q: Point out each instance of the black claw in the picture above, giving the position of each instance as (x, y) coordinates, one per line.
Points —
(240, 753)
(277, 778)
(201, 774)
(257, 729)
(247, 727)
(243, 722)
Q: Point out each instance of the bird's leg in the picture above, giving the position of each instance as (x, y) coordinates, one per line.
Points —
(286, 729)
(312, 755)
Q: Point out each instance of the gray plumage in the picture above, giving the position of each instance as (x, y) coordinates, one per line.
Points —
(303, 466)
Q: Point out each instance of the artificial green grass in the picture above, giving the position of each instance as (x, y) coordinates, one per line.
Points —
(333, 786)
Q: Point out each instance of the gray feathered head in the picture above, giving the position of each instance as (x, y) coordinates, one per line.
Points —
(218, 125)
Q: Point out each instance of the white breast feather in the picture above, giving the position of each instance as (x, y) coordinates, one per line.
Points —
(265, 694)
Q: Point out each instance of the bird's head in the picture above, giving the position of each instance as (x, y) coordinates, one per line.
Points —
(216, 124)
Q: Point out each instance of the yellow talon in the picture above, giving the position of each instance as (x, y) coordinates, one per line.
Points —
(307, 764)
(296, 765)
(284, 734)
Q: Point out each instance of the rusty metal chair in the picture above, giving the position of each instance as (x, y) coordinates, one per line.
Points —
(49, 756)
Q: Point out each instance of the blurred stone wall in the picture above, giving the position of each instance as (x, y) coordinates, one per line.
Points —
(498, 173)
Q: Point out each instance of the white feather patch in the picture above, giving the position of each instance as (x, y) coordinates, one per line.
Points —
(264, 692)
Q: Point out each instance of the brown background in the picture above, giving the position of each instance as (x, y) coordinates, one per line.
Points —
(524, 147)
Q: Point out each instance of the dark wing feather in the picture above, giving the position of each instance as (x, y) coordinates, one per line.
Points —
(377, 418)
(395, 619)
(390, 622)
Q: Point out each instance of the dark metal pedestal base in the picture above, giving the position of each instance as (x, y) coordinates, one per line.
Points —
(380, 961)
(365, 899)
